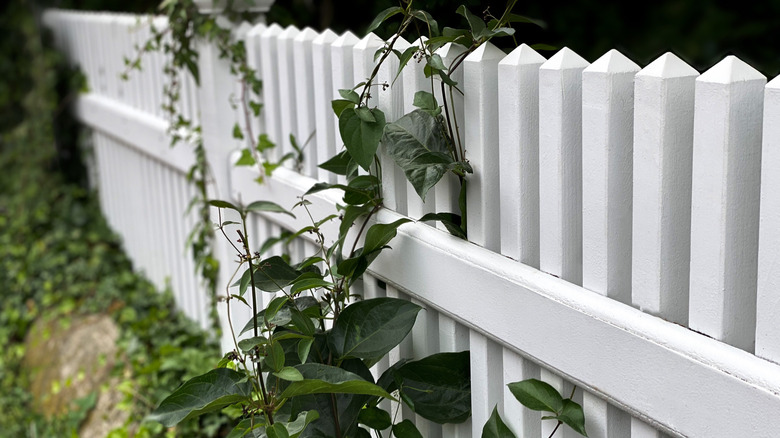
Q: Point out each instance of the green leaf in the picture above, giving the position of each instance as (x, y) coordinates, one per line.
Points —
(267, 206)
(350, 215)
(302, 322)
(309, 283)
(515, 18)
(437, 387)
(475, 23)
(541, 46)
(426, 18)
(246, 158)
(304, 346)
(573, 416)
(406, 429)
(277, 430)
(290, 374)
(537, 395)
(365, 114)
(237, 134)
(417, 144)
(369, 329)
(274, 306)
(295, 428)
(246, 426)
(350, 95)
(275, 357)
(264, 143)
(375, 418)
(361, 138)
(339, 105)
(273, 274)
(338, 164)
(380, 235)
(223, 204)
(382, 16)
(425, 101)
(250, 343)
(244, 282)
(405, 58)
(326, 379)
(496, 428)
(205, 393)
(451, 221)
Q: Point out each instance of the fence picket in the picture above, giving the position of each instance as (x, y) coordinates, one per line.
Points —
(524, 422)
(663, 139)
(446, 192)
(390, 101)
(323, 95)
(304, 84)
(269, 74)
(724, 206)
(607, 131)
(414, 80)
(480, 100)
(341, 66)
(560, 165)
(518, 131)
(287, 91)
(768, 301)
(254, 60)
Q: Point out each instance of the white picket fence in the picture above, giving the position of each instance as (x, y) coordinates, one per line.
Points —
(624, 221)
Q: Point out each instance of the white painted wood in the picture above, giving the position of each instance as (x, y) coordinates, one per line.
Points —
(414, 80)
(403, 351)
(323, 94)
(363, 63)
(269, 74)
(454, 337)
(448, 189)
(607, 161)
(480, 88)
(725, 202)
(551, 320)
(523, 421)
(663, 139)
(486, 379)
(560, 165)
(768, 300)
(304, 104)
(390, 101)
(286, 86)
(254, 60)
(341, 67)
(518, 139)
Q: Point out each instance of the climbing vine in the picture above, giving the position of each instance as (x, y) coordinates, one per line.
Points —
(303, 369)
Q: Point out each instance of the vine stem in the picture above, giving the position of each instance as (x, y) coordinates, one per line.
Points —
(556, 429)
(258, 373)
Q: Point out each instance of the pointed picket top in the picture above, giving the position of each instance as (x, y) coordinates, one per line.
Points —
(243, 29)
(774, 84)
(667, 66)
(731, 69)
(347, 39)
(450, 50)
(401, 44)
(272, 30)
(370, 41)
(307, 34)
(256, 30)
(613, 62)
(326, 37)
(565, 59)
(289, 33)
(485, 52)
(523, 55)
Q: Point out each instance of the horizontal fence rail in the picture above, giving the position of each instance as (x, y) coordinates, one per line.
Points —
(623, 220)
